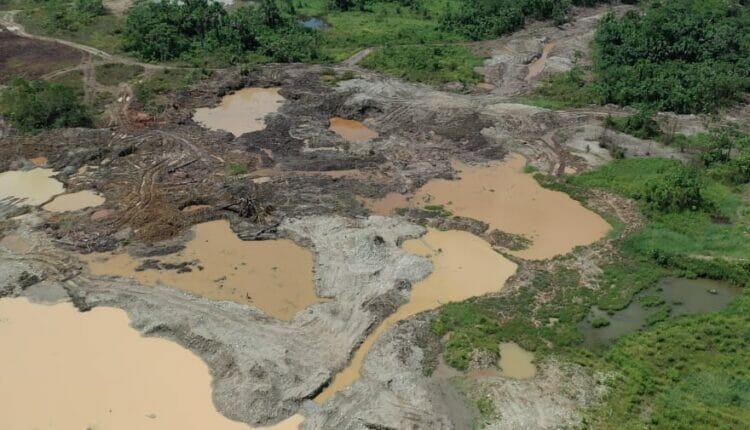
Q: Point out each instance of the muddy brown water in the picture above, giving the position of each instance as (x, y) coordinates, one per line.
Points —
(352, 130)
(241, 112)
(62, 369)
(508, 199)
(464, 266)
(515, 362)
(273, 275)
(74, 201)
(34, 186)
(683, 296)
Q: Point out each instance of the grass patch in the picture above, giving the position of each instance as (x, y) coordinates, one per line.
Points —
(151, 91)
(101, 32)
(72, 79)
(683, 373)
(435, 64)
(564, 90)
(235, 169)
(114, 74)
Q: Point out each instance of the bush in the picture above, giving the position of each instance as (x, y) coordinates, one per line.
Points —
(32, 106)
(641, 124)
(599, 322)
(677, 191)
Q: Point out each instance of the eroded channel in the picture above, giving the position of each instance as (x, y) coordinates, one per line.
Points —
(241, 112)
(273, 275)
(464, 266)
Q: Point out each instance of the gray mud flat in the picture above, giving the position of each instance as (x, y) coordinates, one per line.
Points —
(263, 368)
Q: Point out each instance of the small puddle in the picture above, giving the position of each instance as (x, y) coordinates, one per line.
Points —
(509, 200)
(681, 296)
(39, 161)
(538, 66)
(273, 275)
(352, 130)
(15, 243)
(32, 187)
(241, 112)
(515, 362)
(74, 201)
(195, 208)
(314, 23)
(464, 266)
(67, 370)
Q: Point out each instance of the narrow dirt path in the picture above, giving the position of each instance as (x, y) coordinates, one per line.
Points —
(8, 20)
(356, 58)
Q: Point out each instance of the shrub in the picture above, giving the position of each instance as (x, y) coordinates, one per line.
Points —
(599, 322)
(677, 191)
(32, 106)
(641, 124)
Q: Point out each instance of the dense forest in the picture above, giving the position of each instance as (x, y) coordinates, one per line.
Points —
(170, 29)
(683, 56)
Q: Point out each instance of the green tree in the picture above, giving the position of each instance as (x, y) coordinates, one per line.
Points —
(271, 14)
(88, 9)
(32, 106)
(343, 5)
(679, 190)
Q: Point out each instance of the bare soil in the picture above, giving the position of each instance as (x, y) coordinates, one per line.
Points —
(32, 59)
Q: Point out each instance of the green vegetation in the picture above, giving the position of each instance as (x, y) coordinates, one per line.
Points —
(114, 73)
(684, 373)
(203, 32)
(235, 169)
(482, 19)
(680, 372)
(151, 91)
(686, 56)
(641, 124)
(72, 79)
(570, 89)
(82, 21)
(682, 56)
(32, 106)
(599, 322)
(434, 64)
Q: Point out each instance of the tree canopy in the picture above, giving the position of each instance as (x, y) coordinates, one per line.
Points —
(684, 56)
(170, 29)
(32, 106)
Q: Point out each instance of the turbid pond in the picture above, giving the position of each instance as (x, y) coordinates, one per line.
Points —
(273, 275)
(74, 201)
(31, 187)
(241, 112)
(677, 296)
(508, 199)
(515, 362)
(352, 130)
(61, 369)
